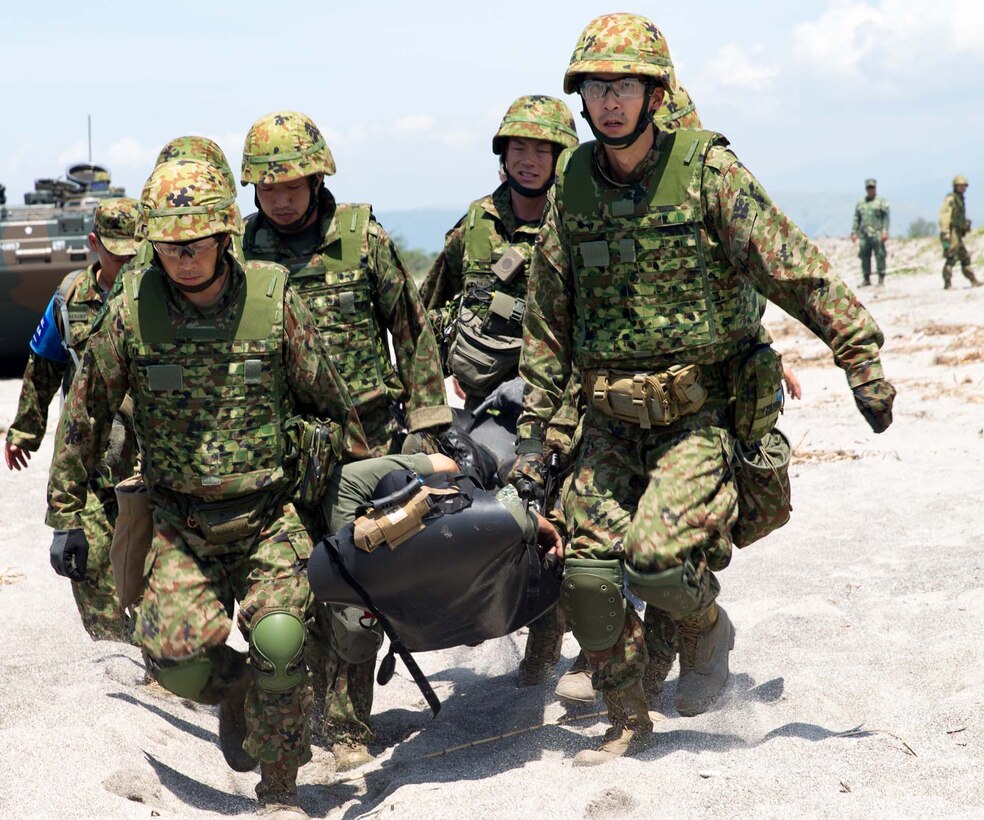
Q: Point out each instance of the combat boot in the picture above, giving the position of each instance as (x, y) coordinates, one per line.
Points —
(865, 282)
(881, 279)
(543, 646)
(575, 684)
(277, 792)
(974, 281)
(630, 731)
(705, 641)
(232, 725)
(350, 754)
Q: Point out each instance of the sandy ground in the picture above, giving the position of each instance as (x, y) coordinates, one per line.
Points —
(857, 683)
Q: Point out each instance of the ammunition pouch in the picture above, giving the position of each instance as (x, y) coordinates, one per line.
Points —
(132, 537)
(646, 399)
(762, 479)
(756, 390)
(235, 519)
(678, 591)
(591, 597)
(312, 443)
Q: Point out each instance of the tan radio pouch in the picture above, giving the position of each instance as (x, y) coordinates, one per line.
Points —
(132, 537)
(509, 265)
(394, 526)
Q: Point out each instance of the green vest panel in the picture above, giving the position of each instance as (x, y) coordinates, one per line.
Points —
(337, 290)
(653, 287)
(210, 399)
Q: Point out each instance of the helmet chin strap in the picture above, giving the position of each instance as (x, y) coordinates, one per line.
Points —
(645, 120)
(298, 224)
(532, 193)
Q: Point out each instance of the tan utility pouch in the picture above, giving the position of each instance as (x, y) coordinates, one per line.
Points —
(646, 399)
(132, 536)
(762, 478)
(222, 522)
(394, 526)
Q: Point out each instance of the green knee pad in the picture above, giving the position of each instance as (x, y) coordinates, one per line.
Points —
(677, 591)
(186, 679)
(591, 597)
(276, 651)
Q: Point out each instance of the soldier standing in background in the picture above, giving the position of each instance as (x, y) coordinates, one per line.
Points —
(870, 226)
(954, 226)
(349, 273)
(477, 286)
(650, 266)
(56, 348)
(217, 357)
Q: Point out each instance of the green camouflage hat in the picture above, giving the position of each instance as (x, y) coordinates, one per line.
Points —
(870, 183)
(115, 223)
(537, 117)
(960, 179)
(620, 44)
(282, 146)
(198, 148)
(677, 111)
(187, 199)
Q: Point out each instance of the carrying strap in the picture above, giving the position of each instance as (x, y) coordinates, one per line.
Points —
(62, 297)
(396, 646)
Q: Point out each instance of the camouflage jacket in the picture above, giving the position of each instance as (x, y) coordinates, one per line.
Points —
(953, 216)
(44, 376)
(871, 217)
(418, 383)
(109, 371)
(746, 230)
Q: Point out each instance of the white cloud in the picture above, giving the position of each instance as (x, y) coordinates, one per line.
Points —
(737, 69)
(413, 123)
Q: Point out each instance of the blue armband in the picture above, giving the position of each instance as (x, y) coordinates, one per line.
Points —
(47, 341)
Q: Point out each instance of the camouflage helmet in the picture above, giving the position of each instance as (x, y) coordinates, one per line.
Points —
(677, 111)
(960, 179)
(115, 223)
(282, 146)
(621, 44)
(198, 148)
(537, 117)
(187, 199)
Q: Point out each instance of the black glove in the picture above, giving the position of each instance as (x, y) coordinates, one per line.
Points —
(70, 554)
(874, 400)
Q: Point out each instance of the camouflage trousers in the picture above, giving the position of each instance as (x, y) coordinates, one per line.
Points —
(654, 499)
(188, 605)
(95, 597)
(957, 252)
(868, 245)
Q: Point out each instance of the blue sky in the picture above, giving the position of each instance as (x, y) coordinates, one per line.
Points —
(814, 96)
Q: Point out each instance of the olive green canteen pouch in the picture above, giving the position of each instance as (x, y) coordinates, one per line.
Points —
(762, 478)
(132, 537)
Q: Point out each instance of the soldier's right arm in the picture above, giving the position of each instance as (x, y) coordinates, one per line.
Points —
(856, 224)
(443, 280)
(946, 215)
(96, 393)
(313, 378)
(42, 380)
(545, 363)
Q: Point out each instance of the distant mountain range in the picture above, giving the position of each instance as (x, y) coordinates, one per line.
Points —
(818, 213)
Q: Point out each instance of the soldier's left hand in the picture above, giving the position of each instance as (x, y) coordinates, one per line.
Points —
(875, 400)
(70, 554)
(548, 537)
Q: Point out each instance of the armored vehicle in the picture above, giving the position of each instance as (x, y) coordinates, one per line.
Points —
(40, 242)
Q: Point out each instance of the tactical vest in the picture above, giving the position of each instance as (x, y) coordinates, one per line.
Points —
(873, 216)
(335, 285)
(75, 321)
(653, 287)
(489, 334)
(210, 401)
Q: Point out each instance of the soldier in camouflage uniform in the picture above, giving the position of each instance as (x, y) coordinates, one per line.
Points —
(215, 356)
(477, 286)
(870, 225)
(57, 344)
(620, 295)
(954, 226)
(348, 271)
